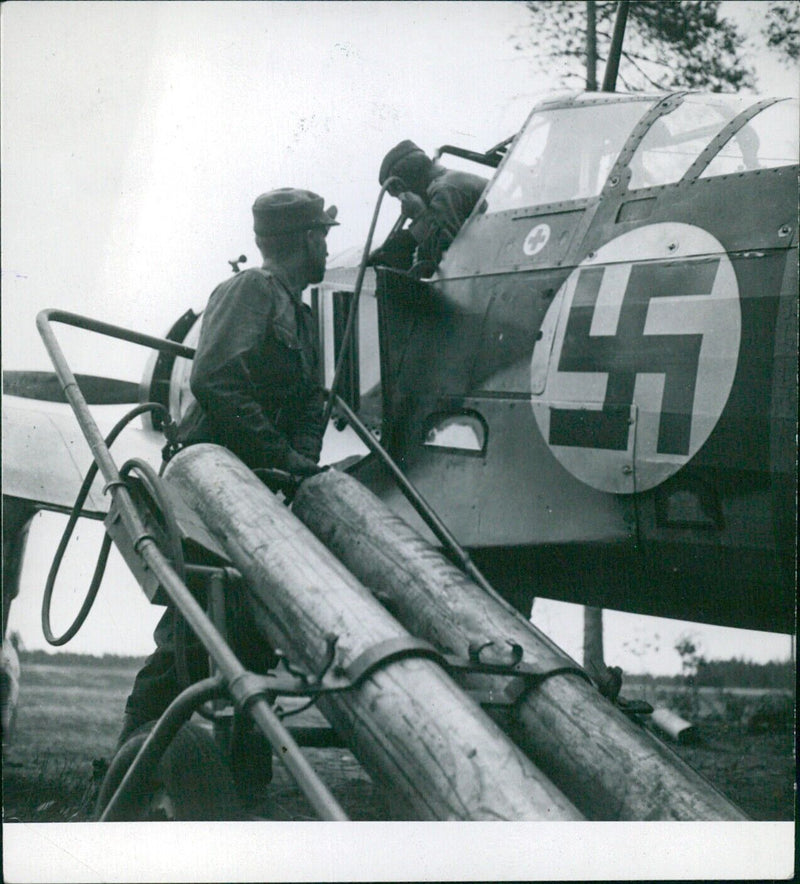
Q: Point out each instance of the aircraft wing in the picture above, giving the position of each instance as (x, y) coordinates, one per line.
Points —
(45, 456)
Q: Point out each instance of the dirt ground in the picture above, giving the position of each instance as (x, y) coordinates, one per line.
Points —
(69, 716)
(756, 770)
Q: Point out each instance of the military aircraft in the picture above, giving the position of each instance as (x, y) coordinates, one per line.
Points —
(596, 391)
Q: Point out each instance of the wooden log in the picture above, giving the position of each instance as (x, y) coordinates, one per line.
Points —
(610, 767)
(408, 723)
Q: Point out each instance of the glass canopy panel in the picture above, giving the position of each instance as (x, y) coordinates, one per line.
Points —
(564, 154)
(770, 139)
(675, 140)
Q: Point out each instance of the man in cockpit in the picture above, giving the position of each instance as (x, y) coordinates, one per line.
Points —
(436, 200)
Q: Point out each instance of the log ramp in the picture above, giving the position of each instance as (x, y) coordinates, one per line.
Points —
(407, 722)
(608, 765)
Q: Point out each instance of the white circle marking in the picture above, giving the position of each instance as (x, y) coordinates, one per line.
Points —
(683, 285)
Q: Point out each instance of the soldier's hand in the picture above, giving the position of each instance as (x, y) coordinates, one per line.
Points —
(298, 465)
(413, 205)
(397, 251)
(423, 270)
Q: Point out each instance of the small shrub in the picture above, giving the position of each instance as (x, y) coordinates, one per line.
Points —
(735, 705)
(773, 712)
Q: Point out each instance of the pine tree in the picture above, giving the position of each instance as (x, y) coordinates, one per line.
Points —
(782, 30)
(669, 44)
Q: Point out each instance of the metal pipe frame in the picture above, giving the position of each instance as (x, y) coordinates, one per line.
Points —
(353, 312)
(233, 673)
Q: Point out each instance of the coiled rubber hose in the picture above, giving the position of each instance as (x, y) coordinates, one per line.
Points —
(105, 548)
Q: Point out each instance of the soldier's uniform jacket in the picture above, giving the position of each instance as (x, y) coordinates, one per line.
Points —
(451, 196)
(255, 373)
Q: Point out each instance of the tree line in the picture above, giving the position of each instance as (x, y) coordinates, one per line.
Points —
(745, 674)
(734, 673)
(69, 658)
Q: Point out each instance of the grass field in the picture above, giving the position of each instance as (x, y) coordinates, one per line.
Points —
(69, 716)
(67, 724)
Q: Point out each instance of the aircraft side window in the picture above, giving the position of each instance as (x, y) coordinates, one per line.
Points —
(769, 140)
(464, 432)
(520, 172)
(675, 140)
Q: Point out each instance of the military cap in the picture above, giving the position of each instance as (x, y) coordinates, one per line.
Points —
(397, 153)
(288, 209)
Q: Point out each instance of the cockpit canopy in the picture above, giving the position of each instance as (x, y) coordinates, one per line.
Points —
(568, 148)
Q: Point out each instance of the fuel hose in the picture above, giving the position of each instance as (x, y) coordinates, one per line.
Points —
(105, 547)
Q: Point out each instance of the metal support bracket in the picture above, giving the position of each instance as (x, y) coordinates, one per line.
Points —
(285, 680)
(385, 652)
(291, 682)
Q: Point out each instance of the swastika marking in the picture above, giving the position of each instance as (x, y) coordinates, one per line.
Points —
(624, 355)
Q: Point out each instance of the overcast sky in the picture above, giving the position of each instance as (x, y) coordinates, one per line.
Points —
(136, 135)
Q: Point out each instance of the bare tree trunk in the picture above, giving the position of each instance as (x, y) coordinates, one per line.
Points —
(591, 46)
(593, 640)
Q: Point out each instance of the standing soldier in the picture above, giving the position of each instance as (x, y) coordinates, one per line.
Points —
(256, 384)
(255, 371)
